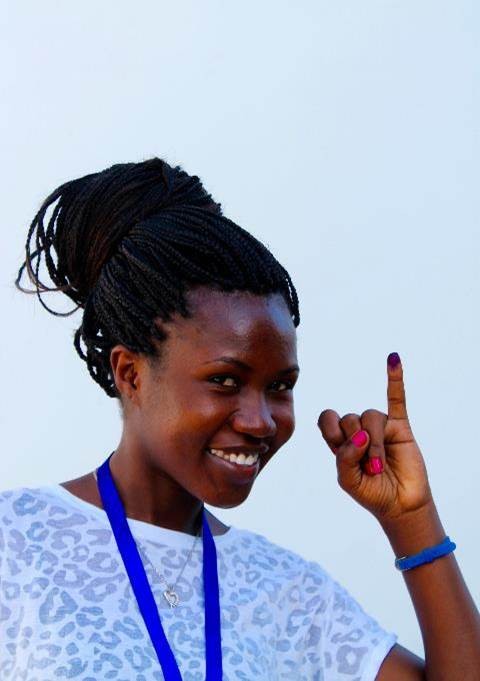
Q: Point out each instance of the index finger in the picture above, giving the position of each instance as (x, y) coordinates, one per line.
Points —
(397, 407)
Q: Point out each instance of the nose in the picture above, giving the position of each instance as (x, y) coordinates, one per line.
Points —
(254, 417)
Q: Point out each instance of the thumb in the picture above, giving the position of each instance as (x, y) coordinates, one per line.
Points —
(348, 458)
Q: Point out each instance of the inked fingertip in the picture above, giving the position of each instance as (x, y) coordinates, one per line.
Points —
(393, 360)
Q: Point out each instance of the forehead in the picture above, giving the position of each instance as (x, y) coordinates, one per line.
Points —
(238, 320)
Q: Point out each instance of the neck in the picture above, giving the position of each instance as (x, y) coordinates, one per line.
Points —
(152, 496)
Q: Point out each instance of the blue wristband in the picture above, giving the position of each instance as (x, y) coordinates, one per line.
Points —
(426, 556)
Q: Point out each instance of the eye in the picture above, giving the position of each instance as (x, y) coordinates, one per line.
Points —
(222, 378)
(289, 385)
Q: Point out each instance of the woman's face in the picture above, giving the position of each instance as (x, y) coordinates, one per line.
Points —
(225, 383)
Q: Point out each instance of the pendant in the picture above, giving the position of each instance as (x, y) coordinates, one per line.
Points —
(171, 597)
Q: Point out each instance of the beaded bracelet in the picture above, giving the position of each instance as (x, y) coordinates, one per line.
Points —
(426, 556)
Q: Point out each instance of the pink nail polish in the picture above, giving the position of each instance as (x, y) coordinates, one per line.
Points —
(359, 438)
(375, 465)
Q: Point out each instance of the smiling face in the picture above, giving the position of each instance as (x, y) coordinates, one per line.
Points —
(224, 382)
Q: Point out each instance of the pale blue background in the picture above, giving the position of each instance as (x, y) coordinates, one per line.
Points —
(345, 136)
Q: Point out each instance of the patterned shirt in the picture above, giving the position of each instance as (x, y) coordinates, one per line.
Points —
(67, 609)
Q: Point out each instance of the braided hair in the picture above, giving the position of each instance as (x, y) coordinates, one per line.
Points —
(130, 241)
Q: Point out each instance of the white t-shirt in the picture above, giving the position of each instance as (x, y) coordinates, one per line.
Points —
(67, 610)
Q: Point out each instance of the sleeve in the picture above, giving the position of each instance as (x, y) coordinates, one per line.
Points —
(354, 644)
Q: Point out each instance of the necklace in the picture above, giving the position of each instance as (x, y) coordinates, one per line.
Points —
(170, 595)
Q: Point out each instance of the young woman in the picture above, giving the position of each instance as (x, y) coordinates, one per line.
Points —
(190, 323)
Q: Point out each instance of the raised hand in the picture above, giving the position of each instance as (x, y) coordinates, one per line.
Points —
(402, 486)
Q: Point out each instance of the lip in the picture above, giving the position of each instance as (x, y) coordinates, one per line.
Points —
(243, 449)
(239, 474)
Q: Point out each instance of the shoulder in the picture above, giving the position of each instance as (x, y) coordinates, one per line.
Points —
(23, 510)
(331, 628)
(278, 562)
(22, 503)
(309, 583)
(22, 515)
(19, 503)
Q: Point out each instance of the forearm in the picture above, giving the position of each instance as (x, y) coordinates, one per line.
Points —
(447, 615)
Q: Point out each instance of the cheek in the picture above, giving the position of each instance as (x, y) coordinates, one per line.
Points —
(204, 411)
(190, 419)
(183, 401)
(285, 419)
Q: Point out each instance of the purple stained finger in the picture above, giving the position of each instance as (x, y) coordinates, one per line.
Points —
(393, 359)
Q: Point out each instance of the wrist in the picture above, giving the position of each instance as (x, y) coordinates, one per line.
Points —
(411, 533)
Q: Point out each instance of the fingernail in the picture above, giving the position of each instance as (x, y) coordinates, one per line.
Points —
(359, 438)
(393, 359)
(374, 465)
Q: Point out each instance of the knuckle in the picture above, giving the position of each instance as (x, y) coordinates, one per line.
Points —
(324, 414)
(350, 416)
(373, 412)
(376, 447)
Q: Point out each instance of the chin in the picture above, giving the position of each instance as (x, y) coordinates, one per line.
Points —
(227, 499)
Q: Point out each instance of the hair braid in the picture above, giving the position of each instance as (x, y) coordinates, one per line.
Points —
(127, 243)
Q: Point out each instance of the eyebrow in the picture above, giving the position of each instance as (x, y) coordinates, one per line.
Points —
(241, 365)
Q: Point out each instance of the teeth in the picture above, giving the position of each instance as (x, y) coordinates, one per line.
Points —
(241, 459)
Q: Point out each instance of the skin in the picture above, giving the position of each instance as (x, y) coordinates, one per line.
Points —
(400, 498)
(175, 408)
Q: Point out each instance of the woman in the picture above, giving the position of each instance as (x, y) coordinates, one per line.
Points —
(190, 323)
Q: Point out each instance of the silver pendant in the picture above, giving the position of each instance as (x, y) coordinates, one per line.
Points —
(171, 597)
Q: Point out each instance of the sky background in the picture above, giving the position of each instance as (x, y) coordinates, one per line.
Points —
(344, 135)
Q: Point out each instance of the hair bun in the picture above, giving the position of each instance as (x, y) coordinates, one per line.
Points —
(92, 215)
(129, 242)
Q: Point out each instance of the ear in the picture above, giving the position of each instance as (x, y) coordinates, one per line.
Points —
(127, 372)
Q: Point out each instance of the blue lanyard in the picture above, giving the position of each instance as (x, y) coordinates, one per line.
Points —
(143, 593)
